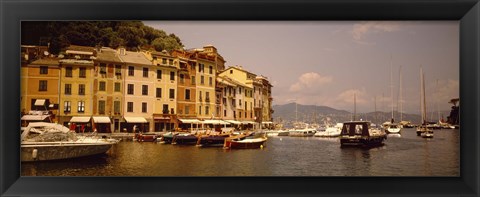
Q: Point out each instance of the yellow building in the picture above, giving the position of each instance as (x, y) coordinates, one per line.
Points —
(40, 89)
(186, 89)
(166, 94)
(76, 87)
(205, 86)
(139, 91)
(107, 90)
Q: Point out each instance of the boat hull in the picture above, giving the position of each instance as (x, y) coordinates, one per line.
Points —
(212, 141)
(185, 140)
(56, 151)
(242, 144)
(361, 141)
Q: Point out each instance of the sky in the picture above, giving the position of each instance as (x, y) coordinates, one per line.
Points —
(327, 62)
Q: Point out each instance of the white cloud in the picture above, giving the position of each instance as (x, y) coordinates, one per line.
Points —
(308, 81)
(362, 29)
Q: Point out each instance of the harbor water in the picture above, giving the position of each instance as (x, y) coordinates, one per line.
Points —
(401, 155)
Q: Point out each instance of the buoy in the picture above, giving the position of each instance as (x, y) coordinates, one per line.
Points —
(34, 154)
(261, 146)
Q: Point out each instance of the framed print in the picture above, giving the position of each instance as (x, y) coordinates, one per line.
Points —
(155, 98)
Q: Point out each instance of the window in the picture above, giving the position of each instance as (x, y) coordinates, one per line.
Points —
(103, 68)
(187, 109)
(210, 81)
(68, 72)
(116, 107)
(83, 72)
(202, 80)
(159, 74)
(199, 110)
(42, 85)
(164, 60)
(165, 109)
(172, 93)
(224, 113)
(67, 107)
(43, 70)
(159, 92)
(207, 96)
(231, 71)
(170, 62)
(131, 71)
(101, 86)
(145, 72)
(192, 66)
(210, 69)
(172, 76)
(187, 94)
(245, 107)
(118, 70)
(200, 67)
(240, 102)
(144, 107)
(192, 80)
(200, 96)
(181, 79)
(130, 89)
(117, 87)
(81, 106)
(144, 89)
(239, 114)
(207, 110)
(129, 106)
(68, 89)
(81, 89)
(101, 107)
(239, 90)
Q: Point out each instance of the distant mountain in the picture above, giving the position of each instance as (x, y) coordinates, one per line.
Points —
(322, 114)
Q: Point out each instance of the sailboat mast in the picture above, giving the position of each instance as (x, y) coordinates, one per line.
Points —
(391, 84)
(354, 107)
(400, 100)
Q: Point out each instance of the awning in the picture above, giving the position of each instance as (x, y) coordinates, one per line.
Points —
(189, 121)
(248, 122)
(135, 119)
(35, 117)
(80, 119)
(234, 121)
(101, 119)
(40, 102)
(267, 122)
(215, 122)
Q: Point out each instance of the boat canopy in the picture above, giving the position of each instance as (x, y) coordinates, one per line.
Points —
(35, 117)
(189, 121)
(80, 119)
(356, 128)
(101, 119)
(135, 119)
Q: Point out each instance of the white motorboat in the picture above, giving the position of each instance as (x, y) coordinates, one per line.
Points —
(42, 141)
(331, 131)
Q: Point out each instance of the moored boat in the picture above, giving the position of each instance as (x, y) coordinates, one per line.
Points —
(359, 133)
(185, 139)
(243, 142)
(330, 131)
(212, 140)
(146, 137)
(43, 141)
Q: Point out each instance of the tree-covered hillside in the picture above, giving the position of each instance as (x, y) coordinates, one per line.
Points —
(130, 34)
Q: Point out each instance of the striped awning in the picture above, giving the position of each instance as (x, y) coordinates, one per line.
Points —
(234, 121)
(248, 122)
(101, 119)
(267, 122)
(189, 121)
(39, 102)
(215, 122)
(35, 117)
(80, 119)
(135, 119)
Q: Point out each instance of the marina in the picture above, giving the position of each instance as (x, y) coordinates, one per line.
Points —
(404, 154)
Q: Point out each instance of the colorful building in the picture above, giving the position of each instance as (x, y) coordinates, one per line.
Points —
(186, 89)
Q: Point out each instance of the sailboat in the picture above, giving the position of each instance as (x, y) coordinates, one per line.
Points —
(301, 129)
(391, 126)
(423, 130)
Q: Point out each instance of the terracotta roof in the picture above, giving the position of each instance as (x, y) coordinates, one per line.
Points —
(45, 61)
(108, 54)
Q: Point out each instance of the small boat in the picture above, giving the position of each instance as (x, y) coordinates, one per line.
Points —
(212, 140)
(242, 142)
(167, 138)
(359, 133)
(392, 127)
(185, 139)
(146, 137)
(42, 141)
(425, 132)
(283, 133)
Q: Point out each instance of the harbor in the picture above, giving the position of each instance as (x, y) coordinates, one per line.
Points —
(404, 154)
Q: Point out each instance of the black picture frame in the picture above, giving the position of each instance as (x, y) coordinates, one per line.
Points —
(12, 12)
